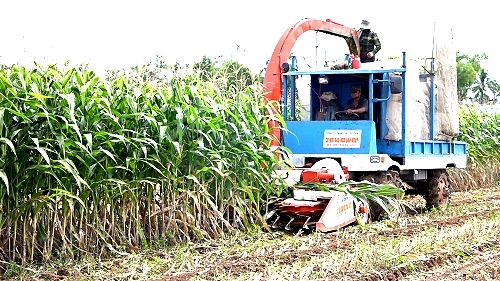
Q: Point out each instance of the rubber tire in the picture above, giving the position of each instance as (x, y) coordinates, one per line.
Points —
(389, 177)
(439, 182)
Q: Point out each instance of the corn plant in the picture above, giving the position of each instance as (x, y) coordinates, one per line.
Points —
(91, 166)
(481, 131)
(88, 164)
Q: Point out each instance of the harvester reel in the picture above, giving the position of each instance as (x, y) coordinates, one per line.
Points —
(305, 212)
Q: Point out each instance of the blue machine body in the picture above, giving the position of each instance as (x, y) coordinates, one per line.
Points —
(335, 138)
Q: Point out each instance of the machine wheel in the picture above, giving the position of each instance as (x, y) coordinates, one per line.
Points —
(388, 177)
(439, 191)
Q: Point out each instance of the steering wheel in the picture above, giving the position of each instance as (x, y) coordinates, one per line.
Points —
(342, 115)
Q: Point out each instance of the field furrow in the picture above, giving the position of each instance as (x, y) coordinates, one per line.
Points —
(461, 241)
(482, 265)
(416, 243)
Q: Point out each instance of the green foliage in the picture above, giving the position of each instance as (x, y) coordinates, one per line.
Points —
(472, 77)
(467, 69)
(481, 86)
(206, 67)
(384, 195)
(481, 132)
(228, 75)
(88, 164)
(153, 73)
(237, 73)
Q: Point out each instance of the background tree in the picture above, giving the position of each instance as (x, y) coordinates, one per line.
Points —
(468, 68)
(206, 67)
(481, 86)
(226, 74)
(154, 72)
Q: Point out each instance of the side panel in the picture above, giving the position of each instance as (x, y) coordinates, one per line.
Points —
(435, 148)
(429, 162)
(338, 213)
(330, 137)
(423, 147)
(392, 148)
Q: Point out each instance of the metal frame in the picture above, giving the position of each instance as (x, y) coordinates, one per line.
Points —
(273, 84)
(371, 81)
(411, 151)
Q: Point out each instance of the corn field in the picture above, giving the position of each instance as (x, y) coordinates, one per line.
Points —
(481, 129)
(481, 132)
(89, 165)
(96, 166)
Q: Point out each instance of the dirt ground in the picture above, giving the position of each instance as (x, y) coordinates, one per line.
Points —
(460, 243)
(482, 264)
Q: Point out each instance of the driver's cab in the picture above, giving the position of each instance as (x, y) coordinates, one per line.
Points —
(330, 91)
(322, 127)
(330, 95)
(329, 108)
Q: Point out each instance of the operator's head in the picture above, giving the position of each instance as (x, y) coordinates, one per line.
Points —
(355, 92)
(365, 24)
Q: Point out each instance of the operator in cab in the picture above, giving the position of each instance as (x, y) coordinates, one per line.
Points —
(369, 42)
(357, 104)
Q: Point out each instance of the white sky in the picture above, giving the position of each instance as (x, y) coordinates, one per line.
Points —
(110, 33)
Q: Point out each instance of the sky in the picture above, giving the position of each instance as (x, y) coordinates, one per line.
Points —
(109, 33)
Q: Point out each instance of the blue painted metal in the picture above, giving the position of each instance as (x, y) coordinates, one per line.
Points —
(384, 96)
(307, 137)
(403, 104)
(382, 99)
(344, 71)
(432, 101)
(292, 89)
(421, 147)
(312, 113)
(384, 90)
(370, 96)
(284, 96)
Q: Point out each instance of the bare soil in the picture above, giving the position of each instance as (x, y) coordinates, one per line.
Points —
(221, 262)
(483, 264)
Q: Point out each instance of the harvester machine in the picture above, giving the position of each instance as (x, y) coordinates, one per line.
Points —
(331, 147)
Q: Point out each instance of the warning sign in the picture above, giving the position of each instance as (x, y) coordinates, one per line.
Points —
(342, 139)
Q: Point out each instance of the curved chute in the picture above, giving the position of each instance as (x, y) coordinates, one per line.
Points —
(273, 86)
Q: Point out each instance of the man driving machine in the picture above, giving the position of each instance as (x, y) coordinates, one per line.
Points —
(357, 104)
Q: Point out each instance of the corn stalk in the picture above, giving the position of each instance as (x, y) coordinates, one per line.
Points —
(88, 164)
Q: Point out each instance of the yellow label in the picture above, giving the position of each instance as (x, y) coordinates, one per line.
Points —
(344, 208)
